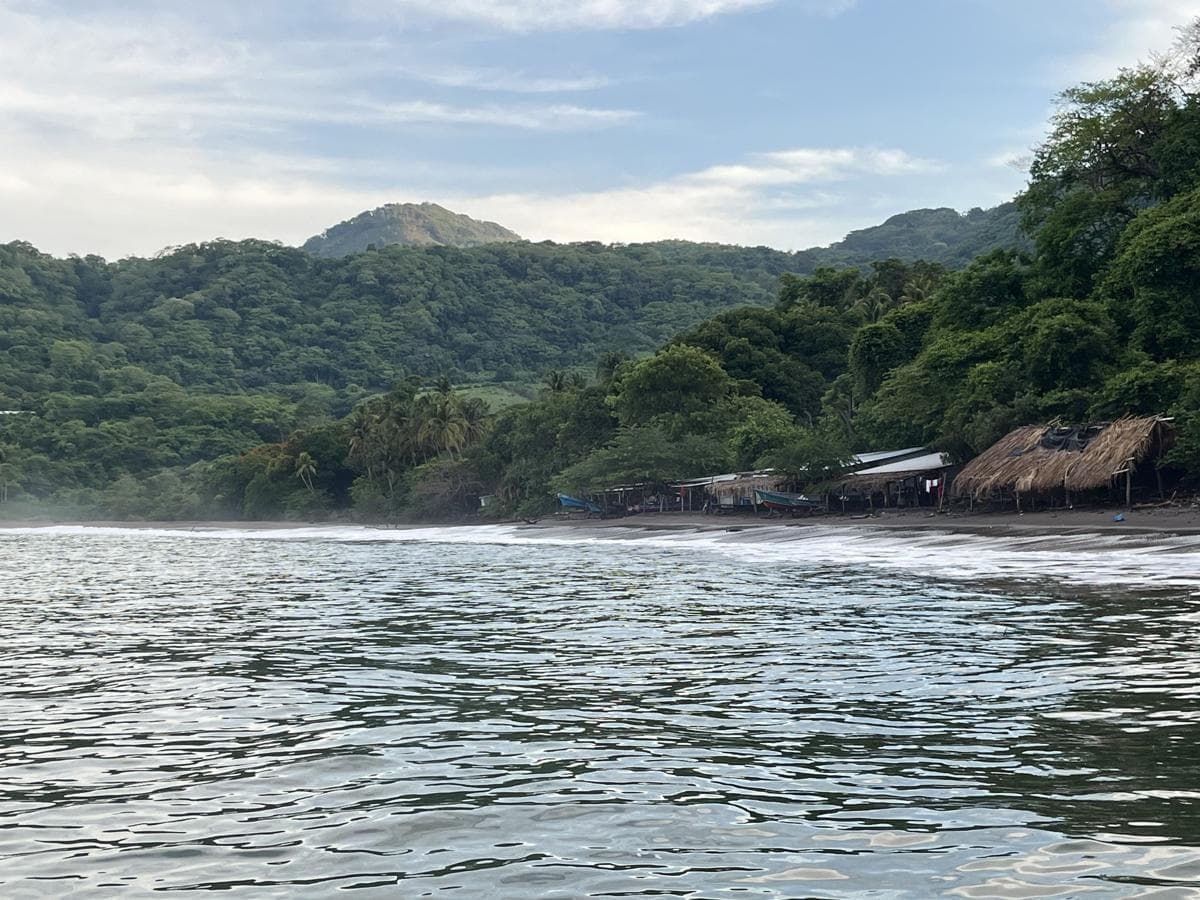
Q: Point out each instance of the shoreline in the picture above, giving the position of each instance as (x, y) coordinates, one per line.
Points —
(1062, 522)
(1181, 521)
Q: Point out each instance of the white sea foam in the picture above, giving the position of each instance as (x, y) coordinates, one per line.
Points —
(1116, 560)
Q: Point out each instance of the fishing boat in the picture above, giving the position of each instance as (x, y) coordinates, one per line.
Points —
(569, 502)
(782, 501)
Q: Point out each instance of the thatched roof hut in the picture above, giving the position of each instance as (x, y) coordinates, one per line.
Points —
(1043, 458)
(746, 482)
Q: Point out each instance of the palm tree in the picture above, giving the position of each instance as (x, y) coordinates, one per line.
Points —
(556, 381)
(874, 305)
(361, 428)
(442, 425)
(306, 468)
(475, 414)
(918, 289)
(398, 431)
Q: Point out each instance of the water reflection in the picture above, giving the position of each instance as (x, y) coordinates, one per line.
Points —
(582, 720)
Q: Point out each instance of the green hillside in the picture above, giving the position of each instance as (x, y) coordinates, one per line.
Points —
(942, 236)
(406, 225)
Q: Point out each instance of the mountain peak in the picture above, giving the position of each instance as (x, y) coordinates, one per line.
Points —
(408, 224)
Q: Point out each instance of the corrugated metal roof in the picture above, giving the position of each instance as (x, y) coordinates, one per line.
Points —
(923, 463)
(880, 455)
(717, 479)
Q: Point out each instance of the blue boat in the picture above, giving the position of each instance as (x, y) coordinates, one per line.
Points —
(569, 502)
(781, 501)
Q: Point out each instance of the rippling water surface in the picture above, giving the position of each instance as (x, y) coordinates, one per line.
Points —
(504, 712)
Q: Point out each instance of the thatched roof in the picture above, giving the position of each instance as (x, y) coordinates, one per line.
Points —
(766, 481)
(1020, 462)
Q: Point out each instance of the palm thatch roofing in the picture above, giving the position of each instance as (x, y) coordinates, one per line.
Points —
(1025, 460)
(749, 481)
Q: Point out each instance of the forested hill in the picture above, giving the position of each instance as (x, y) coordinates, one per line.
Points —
(251, 315)
(230, 317)
(409, 225)
(944, 236)
(941, 235)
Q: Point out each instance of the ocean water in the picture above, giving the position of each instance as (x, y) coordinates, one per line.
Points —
(539, 712)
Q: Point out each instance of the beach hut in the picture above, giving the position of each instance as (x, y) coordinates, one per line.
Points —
(735, 491)
(1068, 460)
(919, 480)
(728, 492)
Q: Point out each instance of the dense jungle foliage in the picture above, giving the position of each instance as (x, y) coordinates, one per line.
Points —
(252, 380)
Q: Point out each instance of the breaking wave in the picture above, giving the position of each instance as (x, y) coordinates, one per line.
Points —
(1096, 559)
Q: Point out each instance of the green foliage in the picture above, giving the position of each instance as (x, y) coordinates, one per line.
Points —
(530, 444)
(758, 346)
(812, 457)
(1154, 282)
(1064, 343)
(1185, 455)
(443, 489)
(985, 292)
(759, 428)
(640, 454)
(407, 224)
(876, 349)
(679, 383)
(1144, 387)
(826, 286)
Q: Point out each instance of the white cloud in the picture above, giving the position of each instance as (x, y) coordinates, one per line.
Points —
(561, 117)
(1140, 28)
(753, 202)
(560, 15)
(163, 80)
(554, 15)
(125, 136)
(518, 82)
(116, 202)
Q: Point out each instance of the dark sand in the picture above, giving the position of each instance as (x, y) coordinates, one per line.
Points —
(1147, 520)
(1172, 519)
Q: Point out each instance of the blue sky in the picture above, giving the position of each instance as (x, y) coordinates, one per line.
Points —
(133, 126)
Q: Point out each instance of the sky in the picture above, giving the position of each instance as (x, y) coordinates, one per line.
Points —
(130, 127)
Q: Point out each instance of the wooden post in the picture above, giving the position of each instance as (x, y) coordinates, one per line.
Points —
(1129, 485)
(1162, 495)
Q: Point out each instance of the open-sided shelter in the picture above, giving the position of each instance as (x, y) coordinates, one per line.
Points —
(915, 480)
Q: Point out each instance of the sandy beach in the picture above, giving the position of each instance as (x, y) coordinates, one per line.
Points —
(1171, 519)
(1183, 519)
